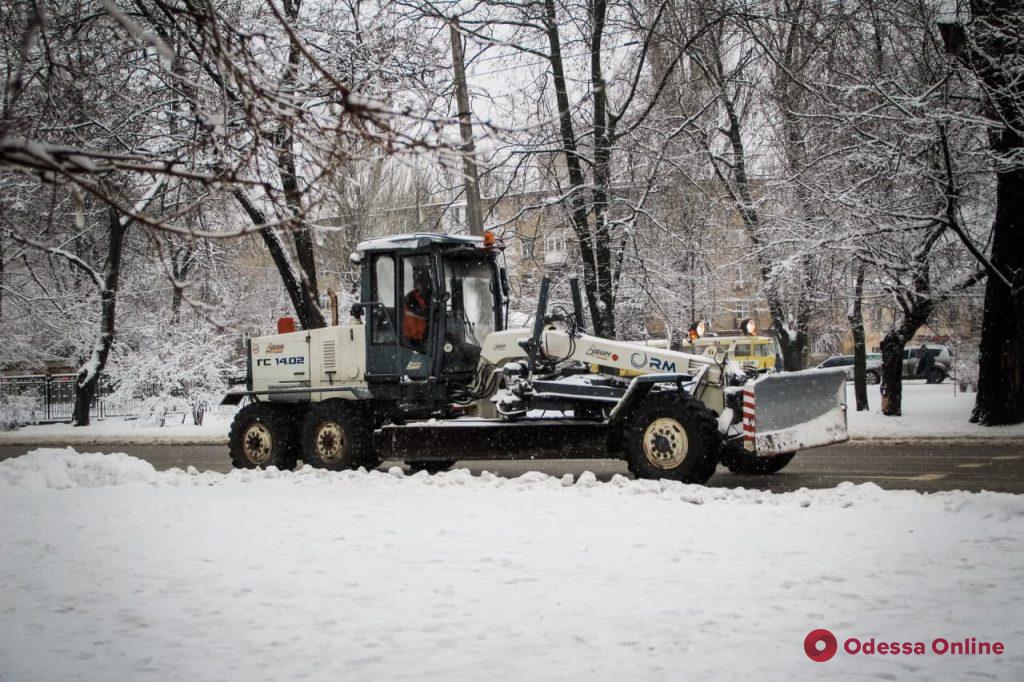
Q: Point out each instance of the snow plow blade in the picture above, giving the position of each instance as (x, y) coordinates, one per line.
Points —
(794, 411)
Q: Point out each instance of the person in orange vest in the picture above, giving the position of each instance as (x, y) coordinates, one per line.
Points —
(415, 308)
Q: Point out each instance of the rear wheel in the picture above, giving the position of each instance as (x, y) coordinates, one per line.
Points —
(262, 435)
(872, 377)
(935, 376)
(336, 436)
(674, 436)
(740, 461)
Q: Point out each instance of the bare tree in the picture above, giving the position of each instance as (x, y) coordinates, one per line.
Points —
(990, 48)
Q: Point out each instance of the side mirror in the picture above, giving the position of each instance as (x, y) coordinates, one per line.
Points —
(356, 257)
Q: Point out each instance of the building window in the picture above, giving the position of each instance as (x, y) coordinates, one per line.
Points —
(740, 279)
(742, 311)
(555, 242)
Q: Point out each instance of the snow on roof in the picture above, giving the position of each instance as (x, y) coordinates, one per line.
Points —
(416, 241)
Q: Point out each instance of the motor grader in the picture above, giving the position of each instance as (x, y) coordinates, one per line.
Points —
(427, 372)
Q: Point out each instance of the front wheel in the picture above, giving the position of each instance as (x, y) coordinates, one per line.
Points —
(740, 461)
(674, 436)
(262, 436)
(935, 376)
(872, 377)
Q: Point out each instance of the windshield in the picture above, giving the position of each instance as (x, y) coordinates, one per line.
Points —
(471, 283)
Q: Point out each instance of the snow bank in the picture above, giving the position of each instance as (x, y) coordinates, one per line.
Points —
(65, 468)
(111, 570)
(61, 468)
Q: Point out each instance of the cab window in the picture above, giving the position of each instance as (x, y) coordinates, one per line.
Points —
(382, 319)
(416, 296)
(470, 316)
(742, 350)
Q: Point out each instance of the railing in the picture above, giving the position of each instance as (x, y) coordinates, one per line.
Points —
(54, 396)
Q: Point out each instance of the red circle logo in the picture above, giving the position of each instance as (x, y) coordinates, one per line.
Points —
(820, 645)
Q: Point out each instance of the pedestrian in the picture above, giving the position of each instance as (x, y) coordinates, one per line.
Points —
(925, 361)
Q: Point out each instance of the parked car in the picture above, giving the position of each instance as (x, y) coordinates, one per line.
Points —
(941, 356)
(874, 365)
(911, 358)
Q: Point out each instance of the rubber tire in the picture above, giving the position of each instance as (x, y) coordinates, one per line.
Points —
(872, 378)
(700, 425)
(356, 431)
(280, 422)
(740, 461)
(431, 467)
(935, 376)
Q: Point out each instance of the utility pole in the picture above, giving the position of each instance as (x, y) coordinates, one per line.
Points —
(474, 216)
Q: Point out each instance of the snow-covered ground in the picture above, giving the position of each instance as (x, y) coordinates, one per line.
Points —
(120, 431)
(928, 411)
(111, 570)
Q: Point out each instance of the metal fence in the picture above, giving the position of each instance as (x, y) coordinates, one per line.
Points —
(54, 396)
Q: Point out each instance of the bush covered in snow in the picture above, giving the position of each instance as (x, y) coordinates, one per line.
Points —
(18, 410)
(965, 367)
(178, 371)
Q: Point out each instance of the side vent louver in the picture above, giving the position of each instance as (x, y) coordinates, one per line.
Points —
(328, 355)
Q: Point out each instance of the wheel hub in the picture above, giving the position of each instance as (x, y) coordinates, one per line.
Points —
(665, 443)
(257, 443)
(330, 442)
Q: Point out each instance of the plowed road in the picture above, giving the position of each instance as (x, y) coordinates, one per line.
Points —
(919, 465)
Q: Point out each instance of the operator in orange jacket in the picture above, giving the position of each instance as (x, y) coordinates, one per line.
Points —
(416, 309)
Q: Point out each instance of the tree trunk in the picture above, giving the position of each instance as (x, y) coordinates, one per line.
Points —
(895, 341)
(792, 342)
(893, 344)
(1, 276)
(176, 298)
(1000, 397)
(860, 364)
(302, 237)
(305, 306)
(88, 377)
(596, 281)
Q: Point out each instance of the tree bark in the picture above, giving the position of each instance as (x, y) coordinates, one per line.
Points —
(308, 309)
(860, 365)
(792, 342)
(1000, 400)
(88, 377)
(1000, 397)
(893, 344)
(600, 303)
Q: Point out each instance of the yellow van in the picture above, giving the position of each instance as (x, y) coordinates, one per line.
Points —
(754, 352)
